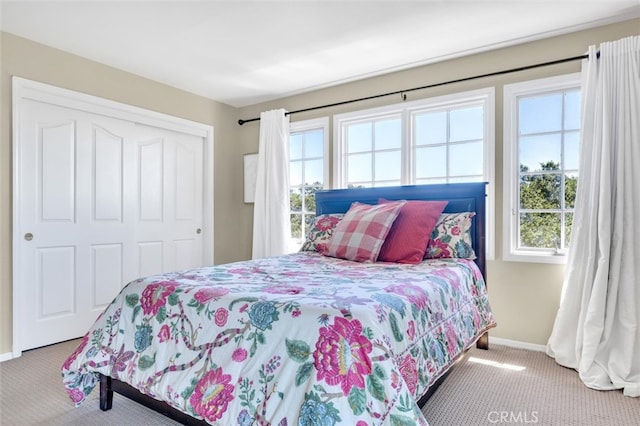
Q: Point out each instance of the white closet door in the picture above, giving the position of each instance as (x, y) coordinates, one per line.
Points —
(73, 179)
(103, 201)
(170, 200)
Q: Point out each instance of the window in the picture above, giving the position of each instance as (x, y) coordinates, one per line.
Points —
(308, 173)
(437, 140)
(541, 141)
(373, 151)
(449, 144)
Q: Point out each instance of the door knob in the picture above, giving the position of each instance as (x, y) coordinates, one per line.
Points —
(28, 236)
(198, 231)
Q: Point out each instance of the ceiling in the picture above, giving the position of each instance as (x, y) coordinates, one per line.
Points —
(246, 52)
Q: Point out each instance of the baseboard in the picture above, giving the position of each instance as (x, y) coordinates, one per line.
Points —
(6, 356)
(516, 344)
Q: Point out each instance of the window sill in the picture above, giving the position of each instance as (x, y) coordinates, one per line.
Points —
(533, 257)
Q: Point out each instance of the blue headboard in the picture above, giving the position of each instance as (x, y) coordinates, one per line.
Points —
(462, 197)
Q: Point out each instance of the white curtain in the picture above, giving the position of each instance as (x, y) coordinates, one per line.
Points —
(271, 219)
(597, 328)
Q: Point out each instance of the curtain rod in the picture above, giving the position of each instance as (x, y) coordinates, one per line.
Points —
(402, 92)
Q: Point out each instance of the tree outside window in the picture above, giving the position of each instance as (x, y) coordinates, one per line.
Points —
(549, 127)
(541, 151)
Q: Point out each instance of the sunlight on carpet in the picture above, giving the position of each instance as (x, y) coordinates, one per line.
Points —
(496, 364)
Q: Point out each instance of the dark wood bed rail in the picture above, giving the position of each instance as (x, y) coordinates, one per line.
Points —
(108, 386)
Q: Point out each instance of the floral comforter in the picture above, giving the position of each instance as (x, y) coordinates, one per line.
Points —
(297, 339)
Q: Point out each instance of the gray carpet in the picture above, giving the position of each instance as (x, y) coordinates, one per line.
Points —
(497, 391)
(475, 393)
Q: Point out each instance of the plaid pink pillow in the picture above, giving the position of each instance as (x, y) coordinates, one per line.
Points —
(362, 230)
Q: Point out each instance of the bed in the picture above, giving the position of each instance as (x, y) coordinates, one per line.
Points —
(306, 338)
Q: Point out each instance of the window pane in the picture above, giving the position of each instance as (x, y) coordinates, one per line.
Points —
(359, 185)
(359, 168)
(296, 225)
(295, 173)
(538, 152)
(306, 175)
(295, 146)
(431, 128)
(313, 171)
(570, 185)
(313, 144)
(572, 110)
(540, 230)
(387, 165)
(540, 191)
(466, 179)
(540, 114)
(466, 124)
(431, 162)
(295, 199)
(387, 183)
(359, 138)
(466, 159)
(430, 181)
(571, 150)
(310, 198)
(568, 222)
(387, 134)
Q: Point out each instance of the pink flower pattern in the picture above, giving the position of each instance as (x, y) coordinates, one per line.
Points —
(409, 373)
(342, 355)
(212, 394)
(327, 222)
(452, 338)
(221, 316)
(76, 395)
(413, 293)
(438, 249)
(283, 289)
(411, 330)
(154, 296)
(205, 295)
(239, 355)
(164, 334)
(77, 352)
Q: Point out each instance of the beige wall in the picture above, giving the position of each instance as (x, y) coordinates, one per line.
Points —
(524, 296)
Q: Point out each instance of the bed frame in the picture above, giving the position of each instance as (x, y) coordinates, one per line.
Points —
(461, 197)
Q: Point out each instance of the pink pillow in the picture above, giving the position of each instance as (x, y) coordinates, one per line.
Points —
(407, 240)
(362, 230)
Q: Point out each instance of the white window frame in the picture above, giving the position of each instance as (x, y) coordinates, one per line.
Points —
(314, 124)
(511, 166)
(406, 110)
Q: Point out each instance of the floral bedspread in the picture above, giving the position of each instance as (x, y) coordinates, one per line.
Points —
(297, 339)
